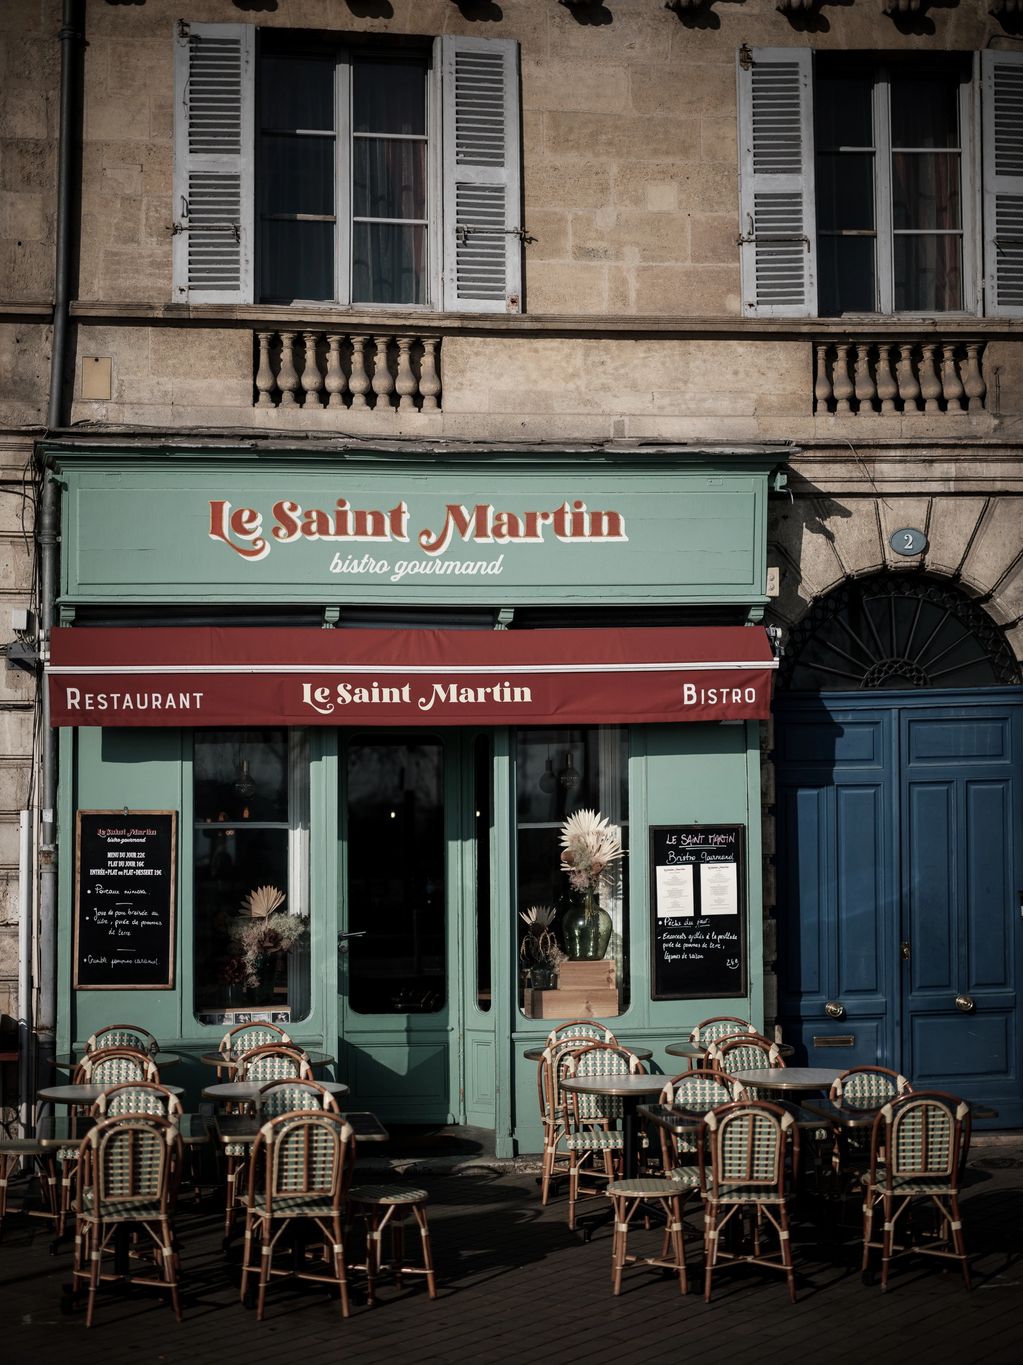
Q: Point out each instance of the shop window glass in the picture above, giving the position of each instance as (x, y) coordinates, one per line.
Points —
(251, 931)
(560, 772)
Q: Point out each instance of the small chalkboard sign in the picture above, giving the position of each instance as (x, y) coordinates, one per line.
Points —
(698, 902)
(125, 900)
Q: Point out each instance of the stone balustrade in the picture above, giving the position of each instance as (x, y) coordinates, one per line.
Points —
(899, 377)
(346, 370)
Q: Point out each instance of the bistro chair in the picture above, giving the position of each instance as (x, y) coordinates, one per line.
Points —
(747, 1146)
(384, 1209)
(744, 1052)
(719, 1026)
(857, 1095)
(128, 1173)
(300, 1170)
(918, 1149)
(13, 1152)
(632, 1198)
(137, 1097)
(272, 1062)
(123, 1035)
(243, 1037)
(578, 1033)
(593, 1121)
(275, 1098)
(692, 1092)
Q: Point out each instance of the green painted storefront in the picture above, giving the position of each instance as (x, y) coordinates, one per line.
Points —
(260, 538)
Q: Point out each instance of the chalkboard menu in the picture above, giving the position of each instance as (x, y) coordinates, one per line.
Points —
(125, 900)
(697, 898)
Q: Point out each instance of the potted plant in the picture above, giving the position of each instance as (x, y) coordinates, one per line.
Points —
(539, 952)
(591, 848)
(262, 935)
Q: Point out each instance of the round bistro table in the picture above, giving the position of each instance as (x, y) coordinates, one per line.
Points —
(87, 1094)
(695, 1052)
(535, 1054)
(247, 1092)
(797, 1079)
(631, 1090)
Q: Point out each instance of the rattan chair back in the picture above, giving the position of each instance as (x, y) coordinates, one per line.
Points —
(272, 1062)
(123, 1035)
(720, 1026)
(288, 1095)
(137, 1097)
(245, 1036)
(599, 1059)
(866, 1088)
(111, 1065)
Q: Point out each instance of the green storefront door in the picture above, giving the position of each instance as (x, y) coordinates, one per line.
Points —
(416, 1026)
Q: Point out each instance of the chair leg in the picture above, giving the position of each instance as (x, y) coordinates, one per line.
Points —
(711, 1232)
(374, 1233)
(674, 1211)
(419, 1214)
(619, 1242)
(887, 1239)
(958, 1241)
(786, 1251)
(265, 1256)
(340, 1268)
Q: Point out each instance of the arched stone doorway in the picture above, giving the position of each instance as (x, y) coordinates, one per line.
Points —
(899, 804)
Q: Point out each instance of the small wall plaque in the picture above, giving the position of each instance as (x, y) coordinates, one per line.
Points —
(908, 541)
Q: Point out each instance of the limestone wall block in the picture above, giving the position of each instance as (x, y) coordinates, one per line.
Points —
(27, 164)
(565, 185)
(597, 88)
(1007, 603)
(713, 239)
(8, 950)
(693, 426)
(895, 514)
(620, 139)
(995, 546)
(953, 522)
(15, 782)
(719, 141)
(192, 353)
(156, 221)
(802, 531)
(638, 30)
(567, 288)
(23, 108)
(711, 185)
(853, 522)
(629, 236)
(24, 364)
(703, 88)
(135, 274)
(693, 291)
(1015, 640)
(16, 731)
(697, 402)
(793, 600)
(550, 227)
(16, 559)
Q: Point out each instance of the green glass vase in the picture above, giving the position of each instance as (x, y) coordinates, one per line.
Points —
(586, 930)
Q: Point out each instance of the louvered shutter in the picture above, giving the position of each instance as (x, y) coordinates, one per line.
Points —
(777, 234)
(213, 159)
(1002, 162)
(482, 264)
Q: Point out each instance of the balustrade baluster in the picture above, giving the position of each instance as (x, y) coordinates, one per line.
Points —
(866, 390)
(359, 381)
(287, 375)
(930, 384)
(264, 372)
(909, 387)
(822, 384)
(841, 380)
(429, 378)
(383, 380)
(405, 383)
(951, 384)
(335, 382)
(973, 382)
(887, 389)
(312, 380)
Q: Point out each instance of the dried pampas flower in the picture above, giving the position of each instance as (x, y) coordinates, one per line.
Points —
(262, 902)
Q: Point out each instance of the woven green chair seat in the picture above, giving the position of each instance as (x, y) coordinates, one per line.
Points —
(908, 1184)
(295, 1205)
(124, 1211)
(594, 1142)
(686, 1177)
(748, 1194)
(644, 1187)
(387, 1194)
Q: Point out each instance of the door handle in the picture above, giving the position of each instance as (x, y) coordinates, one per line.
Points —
(905, 950)
(965, 1003)
(834, 1009)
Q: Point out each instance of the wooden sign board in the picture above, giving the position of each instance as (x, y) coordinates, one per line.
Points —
(698, 904)
(125, 900)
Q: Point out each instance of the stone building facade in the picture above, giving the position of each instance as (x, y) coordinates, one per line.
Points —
(636, 326)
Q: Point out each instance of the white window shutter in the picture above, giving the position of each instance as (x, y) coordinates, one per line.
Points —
(1002, 163)
(482, 244)
(776, 198)
(214, 102)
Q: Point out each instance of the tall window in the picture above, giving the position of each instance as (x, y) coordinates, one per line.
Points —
(560, 772)
(342, 176)
(251, 938)
(889, 187)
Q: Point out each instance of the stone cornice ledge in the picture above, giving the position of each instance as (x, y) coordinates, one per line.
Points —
(534, 324)
(25, 309)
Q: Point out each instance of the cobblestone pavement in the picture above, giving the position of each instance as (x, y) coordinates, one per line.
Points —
(516, 1285)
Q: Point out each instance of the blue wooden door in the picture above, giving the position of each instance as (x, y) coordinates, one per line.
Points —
(899, 870)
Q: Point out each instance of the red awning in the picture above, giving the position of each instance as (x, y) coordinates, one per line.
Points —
(228, 676)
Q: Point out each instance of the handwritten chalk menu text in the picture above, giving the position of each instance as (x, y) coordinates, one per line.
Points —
(125, 900)
(697, 897)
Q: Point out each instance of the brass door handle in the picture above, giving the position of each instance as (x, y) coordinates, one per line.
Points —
(834, 1009)
(905, 950)
(965, 1003)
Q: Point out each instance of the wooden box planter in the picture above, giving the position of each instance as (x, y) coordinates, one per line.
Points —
(586, 990)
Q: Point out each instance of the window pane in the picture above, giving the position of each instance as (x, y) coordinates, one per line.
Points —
(296, 260)
(296, 92)
(388, 97)
(843, 115)
(925, 112)
(241, 842)
(845, 190)
(297, 175)
(846, 275)
(396, 876)
(559, 772)
(925, 190)
(928, 274)
(388, 179)
(388, 263)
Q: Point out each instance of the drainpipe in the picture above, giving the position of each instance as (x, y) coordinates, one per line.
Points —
(48, 540)
(25, 1050)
